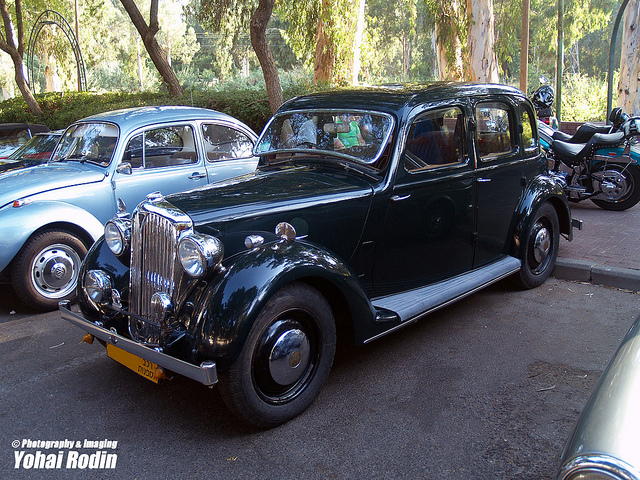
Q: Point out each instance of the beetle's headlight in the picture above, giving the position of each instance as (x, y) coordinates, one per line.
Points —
(97, 286)
(117, 233)
(199, 253)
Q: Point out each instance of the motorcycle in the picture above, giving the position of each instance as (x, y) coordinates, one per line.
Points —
(600, 163)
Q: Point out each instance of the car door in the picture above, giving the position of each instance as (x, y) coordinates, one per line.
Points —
(227, 151)
(428, 231)
(164, 159)
(499, 178)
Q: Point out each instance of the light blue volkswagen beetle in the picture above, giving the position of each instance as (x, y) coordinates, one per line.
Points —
(50, 214)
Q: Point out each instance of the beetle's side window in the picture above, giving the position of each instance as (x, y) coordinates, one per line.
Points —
(162, 147)
(435, 138)
(529, 140)
(224, 143)
(494, 129)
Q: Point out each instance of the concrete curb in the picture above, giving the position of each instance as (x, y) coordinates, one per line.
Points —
(583, 271)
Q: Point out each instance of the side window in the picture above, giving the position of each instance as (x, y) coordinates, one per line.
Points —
(169, 146)
(529, 140)
(494, 129)
(436, 138)
(224, 143)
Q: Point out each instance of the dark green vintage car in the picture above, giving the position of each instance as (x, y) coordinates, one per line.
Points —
(369, 209)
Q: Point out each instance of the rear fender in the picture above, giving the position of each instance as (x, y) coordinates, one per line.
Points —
(541, 189)
(228, 307)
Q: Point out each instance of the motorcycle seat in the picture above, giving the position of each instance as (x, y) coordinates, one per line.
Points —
(583, 134)
(574, 153)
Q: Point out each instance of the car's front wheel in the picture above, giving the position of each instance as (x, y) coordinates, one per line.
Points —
(46, 270)
(540, 247)
(285, 360)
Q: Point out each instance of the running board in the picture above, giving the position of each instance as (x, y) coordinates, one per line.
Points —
(409, 306)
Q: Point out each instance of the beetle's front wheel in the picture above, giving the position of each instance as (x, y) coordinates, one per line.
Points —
(285, 359)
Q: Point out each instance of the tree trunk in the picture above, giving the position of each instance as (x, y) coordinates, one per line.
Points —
(449, 59)
(258, 29)
(483, 64)
(325, 58)
(148, 35)
(7, 44)
(358, 42)
(629, 81)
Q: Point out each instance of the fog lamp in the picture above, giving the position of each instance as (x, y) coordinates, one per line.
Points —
(97, 286)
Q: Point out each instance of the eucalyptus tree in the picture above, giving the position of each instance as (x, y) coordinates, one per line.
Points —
(630, 60)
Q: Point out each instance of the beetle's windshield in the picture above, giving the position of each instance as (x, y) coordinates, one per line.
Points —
(88, 142)
(356, 135)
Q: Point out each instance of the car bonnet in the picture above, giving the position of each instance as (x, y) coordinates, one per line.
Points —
(25, 181)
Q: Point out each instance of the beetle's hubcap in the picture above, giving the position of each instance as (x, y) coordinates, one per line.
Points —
(55, 271)
(289, 357)
(541, 244)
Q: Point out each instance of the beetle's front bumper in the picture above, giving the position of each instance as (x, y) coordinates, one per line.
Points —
(205, 373)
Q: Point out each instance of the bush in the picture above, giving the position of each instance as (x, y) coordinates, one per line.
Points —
(245, 99)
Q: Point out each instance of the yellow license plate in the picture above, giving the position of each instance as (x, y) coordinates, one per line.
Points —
(139, 365)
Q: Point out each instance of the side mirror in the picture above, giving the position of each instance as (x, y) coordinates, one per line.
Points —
(124, 168)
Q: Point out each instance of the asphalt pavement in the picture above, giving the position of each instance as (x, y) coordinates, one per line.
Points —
(607, 249)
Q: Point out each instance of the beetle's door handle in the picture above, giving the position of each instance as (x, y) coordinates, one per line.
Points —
(197, 176)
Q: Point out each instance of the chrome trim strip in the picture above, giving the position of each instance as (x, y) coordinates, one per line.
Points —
(598, 463)
(206, 373)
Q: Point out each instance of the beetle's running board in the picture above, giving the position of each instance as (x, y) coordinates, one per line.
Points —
(410, 306)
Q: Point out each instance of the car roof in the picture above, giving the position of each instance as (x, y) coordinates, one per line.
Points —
(395, 97)
(32, 127)
(132, 118)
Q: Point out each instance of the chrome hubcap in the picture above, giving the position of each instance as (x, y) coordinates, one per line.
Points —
(289, 357)
(541, 245)
(613, 184)
(54, 271)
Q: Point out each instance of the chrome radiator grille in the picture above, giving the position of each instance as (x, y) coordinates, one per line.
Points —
(154, 268)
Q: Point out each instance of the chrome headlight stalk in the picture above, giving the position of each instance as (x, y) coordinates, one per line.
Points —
(98, 288)
(117, 235)
(200, 254)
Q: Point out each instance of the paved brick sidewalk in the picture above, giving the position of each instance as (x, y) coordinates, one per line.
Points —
(607, 249)
(607, 238)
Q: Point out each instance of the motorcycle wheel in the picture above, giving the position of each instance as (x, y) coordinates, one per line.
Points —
(620, 186)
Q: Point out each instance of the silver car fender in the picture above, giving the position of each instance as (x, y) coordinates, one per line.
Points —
(19, 223)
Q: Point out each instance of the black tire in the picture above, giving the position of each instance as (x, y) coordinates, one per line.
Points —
(622, 191)
(295, 330)
(540, 248)
(46, 269)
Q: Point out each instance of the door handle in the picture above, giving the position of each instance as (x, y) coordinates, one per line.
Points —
(483, 180)
(399, 198)
(197, 176)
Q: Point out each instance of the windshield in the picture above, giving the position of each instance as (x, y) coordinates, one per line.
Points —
(40, 147)
(88, 142)
(356, 135)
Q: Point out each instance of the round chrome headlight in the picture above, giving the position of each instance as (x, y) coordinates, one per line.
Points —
(117, 233)
(97, 286)
(199, 253)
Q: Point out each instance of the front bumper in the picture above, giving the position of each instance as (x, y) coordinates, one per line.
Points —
(205, 373)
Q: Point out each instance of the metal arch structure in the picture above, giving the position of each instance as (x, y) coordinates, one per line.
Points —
(51, 17)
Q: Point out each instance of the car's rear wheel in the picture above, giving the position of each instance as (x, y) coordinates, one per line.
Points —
(540, 247)
(285, 359)
(46, 270)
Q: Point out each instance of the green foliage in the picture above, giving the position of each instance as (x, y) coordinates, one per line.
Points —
(244, 99)
(584, 99)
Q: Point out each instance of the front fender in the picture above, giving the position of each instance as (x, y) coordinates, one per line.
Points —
(542, 189)
(19, 223)
(228, 307)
